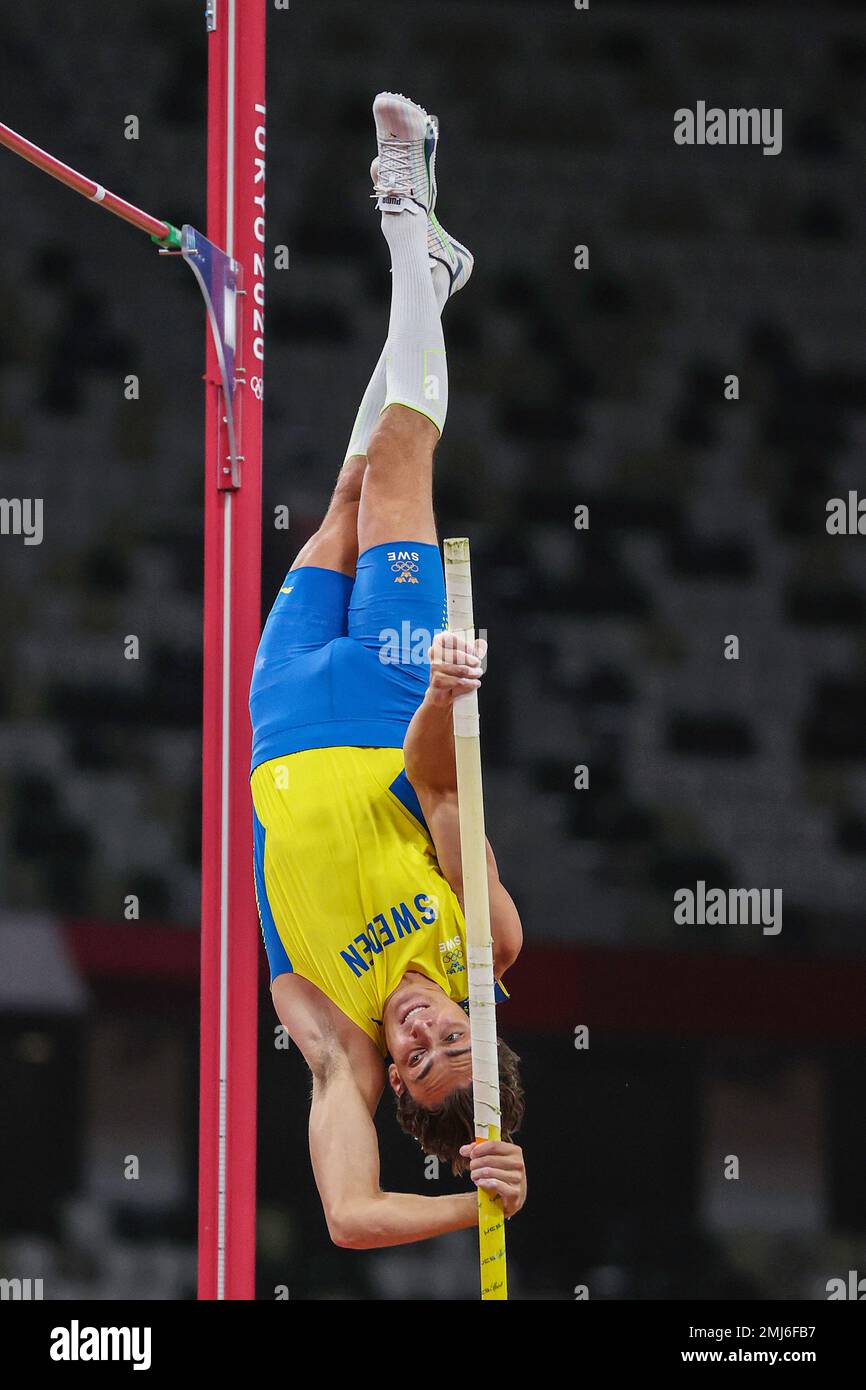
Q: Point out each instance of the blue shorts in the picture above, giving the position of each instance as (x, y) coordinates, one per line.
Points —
(342, 662)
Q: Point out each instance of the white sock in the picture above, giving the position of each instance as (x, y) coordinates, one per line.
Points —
(416, 366)
(369, 410)
(373, 402)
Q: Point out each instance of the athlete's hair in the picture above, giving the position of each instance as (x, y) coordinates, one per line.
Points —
(443, 1131)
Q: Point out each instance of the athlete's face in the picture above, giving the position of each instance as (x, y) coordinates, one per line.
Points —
(428, 1038)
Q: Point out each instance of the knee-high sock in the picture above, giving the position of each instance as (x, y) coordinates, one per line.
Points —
(373, 401)
(416, 366)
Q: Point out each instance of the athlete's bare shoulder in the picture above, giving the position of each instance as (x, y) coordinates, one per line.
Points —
(325, 1036)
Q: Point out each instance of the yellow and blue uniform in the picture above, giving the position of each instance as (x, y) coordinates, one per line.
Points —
(349, 890)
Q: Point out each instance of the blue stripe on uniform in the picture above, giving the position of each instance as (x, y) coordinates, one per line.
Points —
(277, 958)
(405, 792)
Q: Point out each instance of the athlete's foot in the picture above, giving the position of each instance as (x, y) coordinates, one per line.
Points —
(443, 250)
(406, 172)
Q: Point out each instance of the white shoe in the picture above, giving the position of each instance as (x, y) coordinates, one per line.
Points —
(407, 138)
(457, 259)
(442, 248)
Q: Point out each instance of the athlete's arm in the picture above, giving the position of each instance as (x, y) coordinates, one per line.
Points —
(428, 753)
(345, 1153)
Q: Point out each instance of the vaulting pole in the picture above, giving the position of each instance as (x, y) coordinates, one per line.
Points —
(229, 927)
(476, 906)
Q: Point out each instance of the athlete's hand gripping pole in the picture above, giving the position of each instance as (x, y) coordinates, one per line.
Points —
(479, 941)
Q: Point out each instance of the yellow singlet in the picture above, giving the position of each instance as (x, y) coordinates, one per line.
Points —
(349, 890)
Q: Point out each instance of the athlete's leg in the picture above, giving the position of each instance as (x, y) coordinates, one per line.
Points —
(397, 496)
(397, 601)
(334, 546)
(384, 494)
(400, 495)
(397, 493)
(399, 445)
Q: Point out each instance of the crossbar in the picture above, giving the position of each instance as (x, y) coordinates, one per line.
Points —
(162, 232)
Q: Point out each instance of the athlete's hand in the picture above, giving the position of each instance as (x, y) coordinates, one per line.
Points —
(499, 1169)
(456, 667)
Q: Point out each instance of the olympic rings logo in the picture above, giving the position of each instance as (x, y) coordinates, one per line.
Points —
(405, 571)
(257, 386)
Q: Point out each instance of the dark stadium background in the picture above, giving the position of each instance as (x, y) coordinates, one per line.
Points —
(601, 387)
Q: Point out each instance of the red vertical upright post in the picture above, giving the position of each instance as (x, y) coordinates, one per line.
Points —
(229, 928)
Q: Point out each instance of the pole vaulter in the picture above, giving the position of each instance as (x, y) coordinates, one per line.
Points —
(384, 916)
(229, 265)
